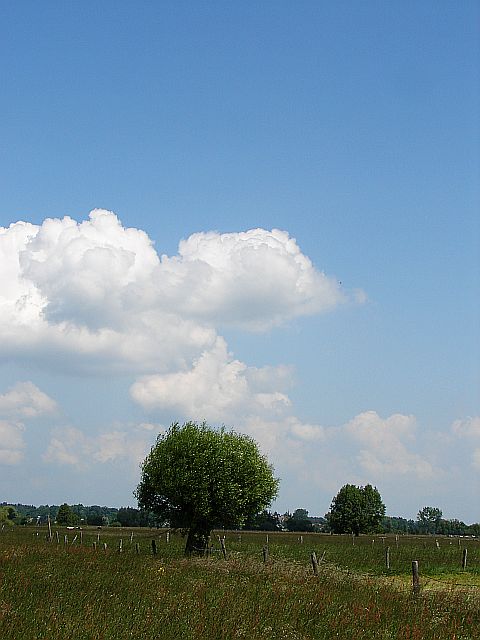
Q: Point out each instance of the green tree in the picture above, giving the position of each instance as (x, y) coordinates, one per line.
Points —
(299, 521)
(7, 515)
(264, 521)
(429, 519)
(66, 516)
(199, 478)
(356, 510)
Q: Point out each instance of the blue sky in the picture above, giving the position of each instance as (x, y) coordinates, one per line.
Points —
(347, 344)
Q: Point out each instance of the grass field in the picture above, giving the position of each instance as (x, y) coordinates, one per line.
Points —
(55, 590)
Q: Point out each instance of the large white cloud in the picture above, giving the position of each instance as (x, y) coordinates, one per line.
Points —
(97, 294)
(253, 280)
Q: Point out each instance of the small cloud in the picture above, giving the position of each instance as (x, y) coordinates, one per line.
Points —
(217, 387)
(384, 444)
(308, 432)
(476, 459)
(26, 400)
(359, 296)
(468, 428)
(11, 442)
(70, 446)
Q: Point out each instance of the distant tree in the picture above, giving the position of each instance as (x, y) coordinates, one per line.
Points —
(299, 521)
(66, 516)
(7, 515)
(199, 478)
(130, 517)
(263, 521)
(429, 519)
(12, 513)
(452, 527)
(356, 510)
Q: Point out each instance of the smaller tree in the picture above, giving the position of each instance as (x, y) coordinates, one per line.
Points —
(263, 521)
(7, 515)
(356, 510)
(429, 519)
(66, 516)
(299, 521)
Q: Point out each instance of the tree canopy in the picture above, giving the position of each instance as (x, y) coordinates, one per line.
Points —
(356, 510)
(8, 514)
(429, 519)
(66, 515)
(299, 521)
(198, 478)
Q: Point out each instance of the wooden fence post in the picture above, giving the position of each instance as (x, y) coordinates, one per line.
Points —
(137, 548)
(387, 558)
(464, 559)
(415, 577)
(265, 555)
(224, 550)
(154, 547)
(313, 558)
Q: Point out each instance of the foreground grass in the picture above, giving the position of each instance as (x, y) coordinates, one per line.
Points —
(59, 591)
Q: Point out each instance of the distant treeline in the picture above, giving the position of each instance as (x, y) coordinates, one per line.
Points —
(93, 515)
(441, 527)
(299, 520)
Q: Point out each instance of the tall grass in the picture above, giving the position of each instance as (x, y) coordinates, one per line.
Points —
(59, 591)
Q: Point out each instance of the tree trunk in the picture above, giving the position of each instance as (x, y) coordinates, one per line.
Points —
(197, 540)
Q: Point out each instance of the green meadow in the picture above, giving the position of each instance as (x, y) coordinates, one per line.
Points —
(75, 587)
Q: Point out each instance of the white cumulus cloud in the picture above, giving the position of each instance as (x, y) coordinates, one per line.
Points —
(96, 295)
(254, 279)
(216, 386)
